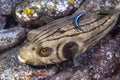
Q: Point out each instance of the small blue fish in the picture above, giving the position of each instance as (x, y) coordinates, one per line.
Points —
(76, 19)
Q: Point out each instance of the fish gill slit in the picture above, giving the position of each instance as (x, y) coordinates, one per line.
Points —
(57, 54)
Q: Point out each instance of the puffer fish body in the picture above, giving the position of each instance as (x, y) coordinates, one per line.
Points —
(60, 40)
(54, 43)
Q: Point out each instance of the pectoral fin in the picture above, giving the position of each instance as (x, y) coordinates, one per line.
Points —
(75, 61)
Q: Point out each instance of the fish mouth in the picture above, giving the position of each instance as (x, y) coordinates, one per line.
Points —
(21, 59)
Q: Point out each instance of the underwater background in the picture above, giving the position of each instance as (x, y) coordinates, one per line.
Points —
(100, 62)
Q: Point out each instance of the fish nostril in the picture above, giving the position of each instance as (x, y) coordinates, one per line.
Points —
(33, 48)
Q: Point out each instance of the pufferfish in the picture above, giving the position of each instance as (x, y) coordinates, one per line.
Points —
(60, 40)
(51, 44)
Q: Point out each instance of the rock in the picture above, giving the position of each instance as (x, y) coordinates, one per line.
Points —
(65, 75)
(2, 22)
(8, 6)
(11, 37)
(81, 75)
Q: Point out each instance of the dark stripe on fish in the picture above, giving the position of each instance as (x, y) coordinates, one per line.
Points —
(95, 37)
(57, 54)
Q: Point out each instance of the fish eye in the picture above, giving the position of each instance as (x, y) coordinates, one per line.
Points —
(44, 52)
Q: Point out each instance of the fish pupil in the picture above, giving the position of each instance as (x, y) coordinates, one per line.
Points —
(44, 51)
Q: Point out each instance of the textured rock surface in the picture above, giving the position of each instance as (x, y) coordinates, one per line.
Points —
(2, 22)
(11, 37)
(8, 6)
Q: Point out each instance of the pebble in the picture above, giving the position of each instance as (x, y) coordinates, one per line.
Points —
(65, 75)
(11, 37)
(2, 22)
(8, 6)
